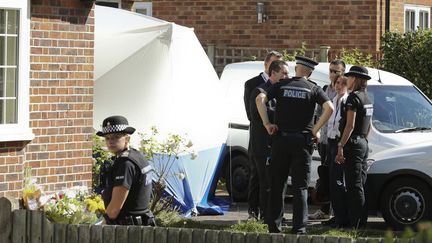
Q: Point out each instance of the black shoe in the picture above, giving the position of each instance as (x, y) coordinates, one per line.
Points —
(329, 222)
(252, 216)
(285, 222)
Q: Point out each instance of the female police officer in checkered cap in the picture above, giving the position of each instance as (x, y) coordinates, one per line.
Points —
(353, 148)
(127, 184)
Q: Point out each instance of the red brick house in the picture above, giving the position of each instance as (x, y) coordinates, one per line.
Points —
(47, 57)
(46, 93)
(339, 24)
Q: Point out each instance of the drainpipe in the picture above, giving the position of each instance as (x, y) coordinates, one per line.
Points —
(387, 16)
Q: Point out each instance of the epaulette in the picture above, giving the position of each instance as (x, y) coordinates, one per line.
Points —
(312, 81)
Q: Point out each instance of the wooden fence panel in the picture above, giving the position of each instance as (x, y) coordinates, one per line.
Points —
(19, 232)
(224, 237)
(186, 235)
(251, 238)
(134, 234)
(108, 234)
(60, 232)
(96, 234)
(238, 237)
(47, 231)
(174, 235)
(211, 236)
(5, 219)
(198, 236)
(72, 233)
(121, 234)
(277, 238)
(84, 234)
(318, 239)
(161, 235)
(264, 238)
(34, 226)
(148, 234)
(303, 239)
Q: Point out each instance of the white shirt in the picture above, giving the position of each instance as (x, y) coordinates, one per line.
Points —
(333, 122)
(265, 76)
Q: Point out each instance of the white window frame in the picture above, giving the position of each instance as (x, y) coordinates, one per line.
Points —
(416, 9)
(143, 5)
(20, 131)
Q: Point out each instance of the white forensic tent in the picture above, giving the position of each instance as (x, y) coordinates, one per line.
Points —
(156, 73)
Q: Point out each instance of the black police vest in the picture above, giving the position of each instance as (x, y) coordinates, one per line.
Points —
(134, 203)
(295, 105)
(364, 113)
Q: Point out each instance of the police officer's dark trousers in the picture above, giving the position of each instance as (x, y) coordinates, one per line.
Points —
(355, 153)
(290, 155)
(253, 193)
(337, 184)
(260, 164)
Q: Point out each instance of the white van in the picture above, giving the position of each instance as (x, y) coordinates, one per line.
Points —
(402, 116)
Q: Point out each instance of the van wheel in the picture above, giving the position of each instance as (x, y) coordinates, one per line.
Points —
(237, 180)
(405, 202)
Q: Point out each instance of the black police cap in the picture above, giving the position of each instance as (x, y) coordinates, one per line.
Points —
(306, 62)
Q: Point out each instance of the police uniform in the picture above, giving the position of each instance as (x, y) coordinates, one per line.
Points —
(129, 169)
(292, 146)
(259, 149)
(355, 151)
(254, 187)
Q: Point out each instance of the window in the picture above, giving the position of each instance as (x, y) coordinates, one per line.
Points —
(109, 3)
(143, 8)
(416, 17)
(14, 71)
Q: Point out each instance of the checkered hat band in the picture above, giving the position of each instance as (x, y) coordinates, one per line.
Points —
(114, 128)
(307, 64)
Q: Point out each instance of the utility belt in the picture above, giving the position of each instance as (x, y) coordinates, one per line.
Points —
(355, 137)
(291, 134)
(146, 219)
(303, 138)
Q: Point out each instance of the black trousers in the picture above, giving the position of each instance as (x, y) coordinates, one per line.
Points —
(356, 153)
(258, 185)
(290, 155)
(337, 184)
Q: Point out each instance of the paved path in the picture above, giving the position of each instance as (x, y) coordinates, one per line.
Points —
(238, 212)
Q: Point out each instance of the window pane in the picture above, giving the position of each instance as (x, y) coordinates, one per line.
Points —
(2, 21)
(12, 51)
(2, 50)
(1, 111)
(2, 82)
(11, 82)
(421, 16)
(10, 112)
(413, 27)
(13, 23)
(426, 21)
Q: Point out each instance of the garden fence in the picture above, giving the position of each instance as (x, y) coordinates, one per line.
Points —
(24, 226)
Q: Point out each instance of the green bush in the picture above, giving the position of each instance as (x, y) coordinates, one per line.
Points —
(356, 57)
(100, 155)
(409, 55)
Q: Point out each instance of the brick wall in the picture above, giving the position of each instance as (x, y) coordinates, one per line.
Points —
(342, 23)
(61, 100)
(397, 12)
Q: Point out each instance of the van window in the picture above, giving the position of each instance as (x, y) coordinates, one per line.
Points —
(399, 107)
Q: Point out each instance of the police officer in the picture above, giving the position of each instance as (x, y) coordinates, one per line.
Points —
(250, 85)
(353, 145)
(128, 183)
(259, 138)
(293, 141)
